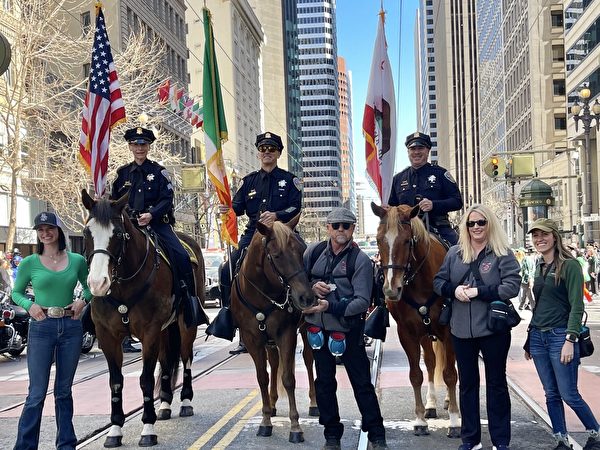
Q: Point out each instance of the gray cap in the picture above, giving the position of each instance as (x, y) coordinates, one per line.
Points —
(341, 215)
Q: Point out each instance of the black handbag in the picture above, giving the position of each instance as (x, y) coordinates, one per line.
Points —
(586, 346)
(377, 322)
(502, 316)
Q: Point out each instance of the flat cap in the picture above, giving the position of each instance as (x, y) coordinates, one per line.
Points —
(418, 139)
(341, 215)
(139, 135)
(543, 224)
(269, 138)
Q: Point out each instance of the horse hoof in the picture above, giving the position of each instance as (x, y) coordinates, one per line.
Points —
(163, 414)
(186, 411)
(265, 430)
(113, 441)
(296, 437)
(148, 440)
(453, 432)
(446, 404)
(313, 411)
(421, 430)
(274, 412)
(430, 413)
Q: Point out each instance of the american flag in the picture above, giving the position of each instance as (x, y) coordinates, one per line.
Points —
(103, 108)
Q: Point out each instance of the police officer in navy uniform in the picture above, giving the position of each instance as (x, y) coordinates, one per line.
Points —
(430, 186)
(266, 195)
(151, 204)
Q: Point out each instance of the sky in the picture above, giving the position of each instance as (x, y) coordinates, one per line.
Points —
(357, 22)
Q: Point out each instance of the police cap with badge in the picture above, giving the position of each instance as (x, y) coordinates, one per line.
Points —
(269, 138)
(139, 135)
(418, 139)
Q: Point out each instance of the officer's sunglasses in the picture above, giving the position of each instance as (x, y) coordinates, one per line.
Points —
(337, 225)
(480, 222)
(267, 148)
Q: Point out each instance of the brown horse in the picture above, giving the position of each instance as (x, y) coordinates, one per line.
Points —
(410, 258)
(270, 291)
(132, 286)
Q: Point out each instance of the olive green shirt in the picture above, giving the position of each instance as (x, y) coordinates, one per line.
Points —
(559, 305)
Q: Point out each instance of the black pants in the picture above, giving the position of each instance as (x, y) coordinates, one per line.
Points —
(358, 369)
(494, 349)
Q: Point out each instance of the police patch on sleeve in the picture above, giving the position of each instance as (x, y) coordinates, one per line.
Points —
(449, 177)
(298, 183)
(165, 173)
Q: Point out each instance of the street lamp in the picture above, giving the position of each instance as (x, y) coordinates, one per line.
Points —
(586, 116)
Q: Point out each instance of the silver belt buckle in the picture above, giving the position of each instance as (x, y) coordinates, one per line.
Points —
(56, 312)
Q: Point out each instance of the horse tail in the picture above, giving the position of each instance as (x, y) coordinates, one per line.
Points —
(172, 351)
(439, 350)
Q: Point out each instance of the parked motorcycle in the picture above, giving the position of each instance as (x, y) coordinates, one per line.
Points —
(14, 325)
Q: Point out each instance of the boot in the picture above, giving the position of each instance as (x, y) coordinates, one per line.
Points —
(223, 327)
(193, 312)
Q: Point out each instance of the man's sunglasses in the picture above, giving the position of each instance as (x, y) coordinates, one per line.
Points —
(480, 222)
(337, 225)
(267, 148)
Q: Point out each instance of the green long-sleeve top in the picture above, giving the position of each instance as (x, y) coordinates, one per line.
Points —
(560, 305)
(50, 288)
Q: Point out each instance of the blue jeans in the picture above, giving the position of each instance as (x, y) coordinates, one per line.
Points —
(59, 341)
(559, 380)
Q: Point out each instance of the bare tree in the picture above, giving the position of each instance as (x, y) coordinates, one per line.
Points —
(43, 104)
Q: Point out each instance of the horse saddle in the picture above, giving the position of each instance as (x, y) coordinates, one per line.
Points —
(165, 255)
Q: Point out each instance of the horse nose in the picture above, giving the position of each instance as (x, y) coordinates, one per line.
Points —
(99, 287)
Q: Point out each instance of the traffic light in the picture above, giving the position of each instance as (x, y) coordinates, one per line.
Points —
(495, 167)
(495, 161)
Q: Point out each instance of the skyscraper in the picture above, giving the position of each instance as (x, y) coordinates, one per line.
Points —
(346, 147)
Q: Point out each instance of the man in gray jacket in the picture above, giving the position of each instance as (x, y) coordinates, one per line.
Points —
(343, 300)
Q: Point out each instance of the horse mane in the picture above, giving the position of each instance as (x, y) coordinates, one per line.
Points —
(402, 213)
(280, 233)
(102, 211)
(419, 230)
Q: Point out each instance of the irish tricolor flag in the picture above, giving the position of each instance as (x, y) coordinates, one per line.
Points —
(379, 119)
(215, 131)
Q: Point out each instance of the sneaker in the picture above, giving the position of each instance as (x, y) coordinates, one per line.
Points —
(238, 350)
(593, 443)
(332, 444)
(337, 343)
(315, 337)
(469, 446)
(129, 348)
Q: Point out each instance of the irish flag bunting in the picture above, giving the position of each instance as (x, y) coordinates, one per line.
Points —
(379, 118)
(215, 131)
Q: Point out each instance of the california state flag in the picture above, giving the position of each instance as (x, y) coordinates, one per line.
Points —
(379, 119)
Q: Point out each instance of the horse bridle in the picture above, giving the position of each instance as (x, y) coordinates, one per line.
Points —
(261, 315)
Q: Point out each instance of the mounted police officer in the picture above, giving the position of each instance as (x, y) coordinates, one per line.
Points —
(151, 204)
(266, 195)
(430, 186)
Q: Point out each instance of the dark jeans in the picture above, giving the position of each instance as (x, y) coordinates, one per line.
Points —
(559, 380)
(494, 349)
(448, 234)
(358, 368)
(59, 341)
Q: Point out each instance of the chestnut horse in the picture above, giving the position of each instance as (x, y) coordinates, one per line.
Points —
(410, 258)
(132, 288)
(268, 295)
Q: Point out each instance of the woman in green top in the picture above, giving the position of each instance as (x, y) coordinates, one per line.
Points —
(55, 331)
(554, 330)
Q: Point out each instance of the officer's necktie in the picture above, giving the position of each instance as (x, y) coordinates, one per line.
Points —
(138, 189)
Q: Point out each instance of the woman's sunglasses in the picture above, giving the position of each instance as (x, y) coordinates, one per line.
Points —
(267, 148)
(337, 225)
(480, 222)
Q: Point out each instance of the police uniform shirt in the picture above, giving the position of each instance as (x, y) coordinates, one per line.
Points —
(428, 181)
(149, 186)
(277, 191)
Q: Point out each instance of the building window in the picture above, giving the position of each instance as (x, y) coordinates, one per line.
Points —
(558, 53)
(558, 87)
(86, 22)
(557, 18)
(560, 122)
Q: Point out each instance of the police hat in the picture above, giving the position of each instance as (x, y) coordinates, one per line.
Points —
(418, 139)
(341, 215)
(269, 138)
(46, 218)
(139, 135)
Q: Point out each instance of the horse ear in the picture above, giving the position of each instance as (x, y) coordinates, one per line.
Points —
(122, 202)
(379, 211)
(415, 211)
(294, 221)
(263, 229)
(88, 201)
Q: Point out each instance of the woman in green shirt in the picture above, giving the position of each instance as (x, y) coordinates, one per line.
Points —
(554, 331)
(55, 331)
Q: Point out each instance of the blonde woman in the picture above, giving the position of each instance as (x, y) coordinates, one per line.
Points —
(480, 269)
